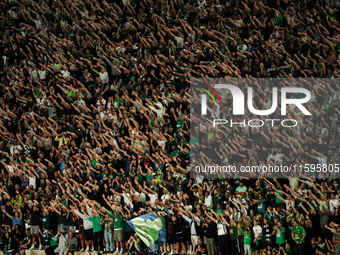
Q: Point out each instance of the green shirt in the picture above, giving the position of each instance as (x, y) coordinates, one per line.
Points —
(94, 162)
(53, 243)
(277, 200)
(118, 220)
(280, 238)
(241, 189)
(247, 237)
(297, 233)
(148, 178)
(219, 211)
(72, 93)
(96, 224)
(278, 20)
(179, 124)
(174, 153)
(46, 221)
(217, 200)
(233, 233)
(117, 103)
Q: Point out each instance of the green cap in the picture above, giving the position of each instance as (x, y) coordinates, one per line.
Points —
(133, 77)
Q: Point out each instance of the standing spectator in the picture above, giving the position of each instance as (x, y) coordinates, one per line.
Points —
(97, 229)
(35, 225)
(108, 230)
(246, 241)
(118, 229)
(298, 235)
(258, 237)
(279, 231)
(209, 228)
(222, 234)
(234, 242)
(88, 228)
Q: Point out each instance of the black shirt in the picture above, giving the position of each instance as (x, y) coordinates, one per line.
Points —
(210, 230)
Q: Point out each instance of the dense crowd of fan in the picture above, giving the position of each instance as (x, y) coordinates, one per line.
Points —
(95, 125)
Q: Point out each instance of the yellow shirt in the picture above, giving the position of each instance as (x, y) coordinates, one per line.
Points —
(62, 140)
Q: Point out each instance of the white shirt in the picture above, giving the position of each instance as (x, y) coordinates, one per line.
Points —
(161, 144)
(160, 112)
(87, 223)
(65, 73)
(116, 198)
(221, 229)
(268, 104)
(207, 201)
(10, 168)
(38, 23)
(126, 199)
(41, 101)
(192, 224)
(289, 203)
(104, 77)
(22, 32)
(216, 113)
(99, 103)
(257, 230)
(238, 22)
(201, 4)
(34, 74)
(51, 110)
(42, 74)
(278, 157)
(165, 197)
(16, 149)
(293, 183)
(32, 181)
(80, 102)
(180, 42)
(153, 198)
(199, 179)
(4, 59)
(333, 204)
